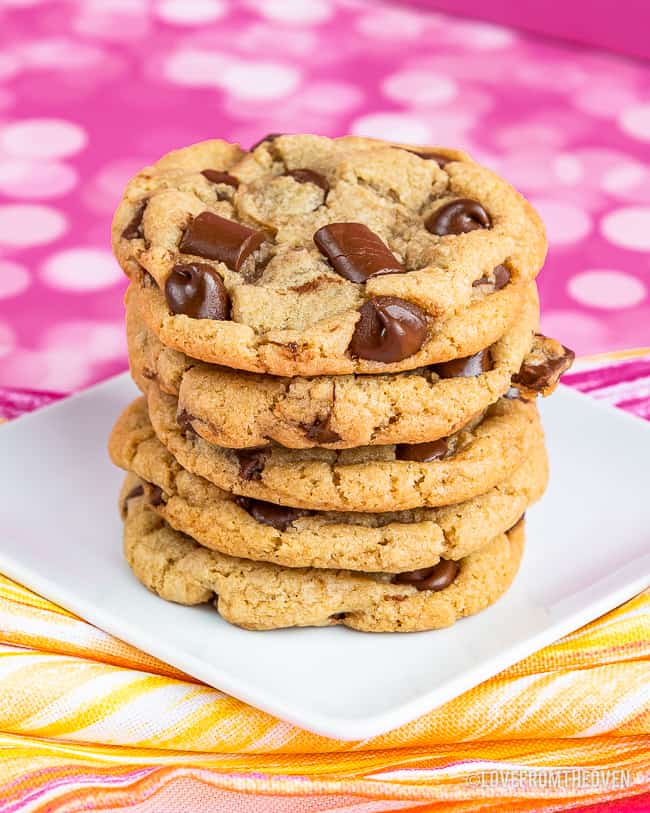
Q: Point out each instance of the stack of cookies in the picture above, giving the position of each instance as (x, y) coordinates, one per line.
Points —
(336, 341)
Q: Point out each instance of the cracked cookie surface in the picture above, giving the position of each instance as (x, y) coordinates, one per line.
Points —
(239, 410)
(389, 542)
(258, 595)
(293, 258)
(369, 479)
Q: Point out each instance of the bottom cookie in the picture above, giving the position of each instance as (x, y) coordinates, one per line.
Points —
(256, 595)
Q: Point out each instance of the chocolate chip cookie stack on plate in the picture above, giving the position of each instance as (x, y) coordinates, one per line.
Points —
(336, 344)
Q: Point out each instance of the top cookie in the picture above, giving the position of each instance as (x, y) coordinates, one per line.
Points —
(310, 255)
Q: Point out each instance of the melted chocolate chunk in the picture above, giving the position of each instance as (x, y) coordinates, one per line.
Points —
(501, 277)
(217, 238)
(468, 367)
(389, 329)
(156, 496)
(431, 578)
(267, 137)
(197, 291)
(184, 420)
(133, 231)
(216, 176)
(440, 159)
(279, 517)
(136, 491)
(309, 176)
(319, 431)
(457, 217)
(251, 463)
(539, 376)
(338, 616)
(356, 252)
(423, 452)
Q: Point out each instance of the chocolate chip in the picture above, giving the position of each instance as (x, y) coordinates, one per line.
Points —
(468, 367)
(338, 616)
(356, 252)
(217, 238)
(216, 176)
(133, 230)
(430, 578)
(251, 463)
(440, 159)
(279, 517)
(184, 420)
(389, 329)
(423, 452)
(197, 291)
(319, 431)
(156, 496)
(309, 176)
(545, 366)
(457, 217)
(136, 491)
(500, 278)
(267, 137)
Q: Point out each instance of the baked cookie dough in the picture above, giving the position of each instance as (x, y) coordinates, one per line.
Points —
(310, 256)
(369, 479)
(261, 596)
(390, 542)
(242, 410)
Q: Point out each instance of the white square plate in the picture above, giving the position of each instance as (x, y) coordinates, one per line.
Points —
(587, 551)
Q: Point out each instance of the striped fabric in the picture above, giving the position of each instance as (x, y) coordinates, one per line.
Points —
(88, 722)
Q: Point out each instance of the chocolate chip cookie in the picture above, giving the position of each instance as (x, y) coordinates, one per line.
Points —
(390, 542)
(242, 410)
(311, 256)
(258, 595)
(372, 479)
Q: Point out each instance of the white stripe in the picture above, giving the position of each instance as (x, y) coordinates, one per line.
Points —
(628, 705)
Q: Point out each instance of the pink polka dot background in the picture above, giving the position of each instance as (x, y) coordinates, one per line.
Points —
(90, 91)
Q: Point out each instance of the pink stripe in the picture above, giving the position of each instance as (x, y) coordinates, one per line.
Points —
(589, 380)
(14, 403)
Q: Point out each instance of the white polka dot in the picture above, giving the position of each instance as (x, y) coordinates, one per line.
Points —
(191, 12)
(81, 269)
(484, 36)
(606, 289)
(103, 191)
(420, 87)
(22, 178)
(628, 180)
(9, 65)
(259, 80)
(14, 279)
(42, 138)
(96, 341)
(636, 121)
(394, 127)
(582, 332)
(568, 169)
(623, 177)
(61, 53)
(565, 222)
(195, 67)
(385, 23)
(295, 12)
(23, 225)
(628, 227)
(7, 339)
